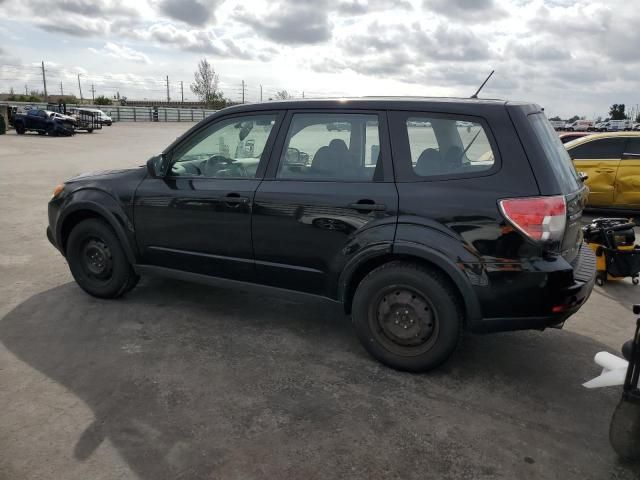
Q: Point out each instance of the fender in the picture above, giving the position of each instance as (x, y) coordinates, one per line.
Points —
(457, 275)
(103, 204)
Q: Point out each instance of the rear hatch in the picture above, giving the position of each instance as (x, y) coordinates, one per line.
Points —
(565, 181)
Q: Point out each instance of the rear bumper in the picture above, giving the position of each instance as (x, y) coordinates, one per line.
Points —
(552, 303)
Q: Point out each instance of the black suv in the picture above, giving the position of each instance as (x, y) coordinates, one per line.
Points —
(423, 217)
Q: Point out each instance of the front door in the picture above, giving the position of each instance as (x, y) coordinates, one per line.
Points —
(328, 195)
(627, 191)
(198, 217)
(599, 159)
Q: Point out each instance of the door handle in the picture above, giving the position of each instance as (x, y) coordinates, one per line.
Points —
(365, 206)
(235, 199)
(605, 170)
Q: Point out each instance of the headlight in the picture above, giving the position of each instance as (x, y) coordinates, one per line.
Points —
(57, 191)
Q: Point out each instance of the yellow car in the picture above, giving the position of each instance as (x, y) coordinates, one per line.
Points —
(612, 162)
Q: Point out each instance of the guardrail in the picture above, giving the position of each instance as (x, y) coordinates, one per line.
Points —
(137, 114)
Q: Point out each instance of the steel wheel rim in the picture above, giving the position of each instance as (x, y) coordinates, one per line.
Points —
(404, 320)
(97, 261)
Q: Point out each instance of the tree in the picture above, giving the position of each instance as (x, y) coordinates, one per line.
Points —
(573, 119)
(638, 118)
(282, 95)
(102, 100)
(616, 111)
(205, 84)
(555, 119)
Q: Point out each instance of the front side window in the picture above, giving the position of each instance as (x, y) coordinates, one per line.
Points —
(447, 146)
(229, 148)
(331, 147)
(599, 149)
(633, 146)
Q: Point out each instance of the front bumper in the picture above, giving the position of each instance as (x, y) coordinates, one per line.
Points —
(552, 303)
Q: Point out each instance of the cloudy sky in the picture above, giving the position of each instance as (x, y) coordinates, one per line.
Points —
(572, 57)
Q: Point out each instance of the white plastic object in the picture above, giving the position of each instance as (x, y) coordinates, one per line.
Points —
(614, 371)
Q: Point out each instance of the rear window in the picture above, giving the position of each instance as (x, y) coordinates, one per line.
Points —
(556, 153)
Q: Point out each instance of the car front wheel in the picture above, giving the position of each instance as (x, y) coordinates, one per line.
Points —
(97, 260)
(407, 316)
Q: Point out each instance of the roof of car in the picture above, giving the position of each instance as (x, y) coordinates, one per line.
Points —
(595, 136)
(373, 103)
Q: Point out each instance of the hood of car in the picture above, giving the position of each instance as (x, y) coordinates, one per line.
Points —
(104, 174)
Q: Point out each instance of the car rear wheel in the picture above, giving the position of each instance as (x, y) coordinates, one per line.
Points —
(407, 316)
(20, 129)
(97, 260)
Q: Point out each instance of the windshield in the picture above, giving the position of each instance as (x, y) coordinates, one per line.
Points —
(555, 151)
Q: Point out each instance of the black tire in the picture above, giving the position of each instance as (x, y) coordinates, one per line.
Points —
(400, 299)
(601, 280)
(20, 128)
(97, 261)
(89, 130)
(41, 132)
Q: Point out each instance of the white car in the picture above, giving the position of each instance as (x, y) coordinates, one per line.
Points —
(579, 126)
(619, 125)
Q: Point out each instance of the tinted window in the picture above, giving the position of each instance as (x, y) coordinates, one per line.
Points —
(559, 160)
(327, 146)
(444, 146)
(633, 146)
(602, 148)
(226, 149)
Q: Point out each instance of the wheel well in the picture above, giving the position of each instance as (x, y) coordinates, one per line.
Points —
(364, 269)
(71, 221)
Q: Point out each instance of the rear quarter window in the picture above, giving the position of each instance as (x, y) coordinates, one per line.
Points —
(555, 152)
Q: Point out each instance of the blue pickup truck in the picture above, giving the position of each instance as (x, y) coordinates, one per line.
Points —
(43, 122)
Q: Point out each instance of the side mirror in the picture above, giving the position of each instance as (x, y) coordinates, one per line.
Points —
(292, 155)
(155, 166)
(583, 176)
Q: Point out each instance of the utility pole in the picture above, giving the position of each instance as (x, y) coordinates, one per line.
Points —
(44, 81)
(93, 93)
(302, 93)
(168, 98)
(26, 90)
(261, 92)
(242, 91)
(80, 88)
(61, 90)
(181, 91)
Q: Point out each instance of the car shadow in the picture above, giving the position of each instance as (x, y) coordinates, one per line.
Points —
(188, 381)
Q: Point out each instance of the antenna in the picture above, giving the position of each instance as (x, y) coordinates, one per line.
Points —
(475, 95)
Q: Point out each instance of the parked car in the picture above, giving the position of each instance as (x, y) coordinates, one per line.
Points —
(612, 163)
(569, 136)
(419, 234)
(636, 127)
(63, 117)
(43, 122)
(557, 125)
(618, 125)
(579, 126)
(99, 116)
(601, 126)
(338, 126)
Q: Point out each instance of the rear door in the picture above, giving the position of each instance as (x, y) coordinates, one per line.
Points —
(599, 159)
(627, 185)
(328, 195)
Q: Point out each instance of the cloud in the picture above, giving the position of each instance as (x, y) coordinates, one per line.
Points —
(290, 22)
(466, 11)
(191, 12)
(86, 28)
(362, 7)
(539, 51)
(122, 52)
(86, 8)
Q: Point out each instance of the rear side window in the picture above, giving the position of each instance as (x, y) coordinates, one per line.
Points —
(633, 146)
(601, 148)
(556, 153)
(448, 146)
(332, 147)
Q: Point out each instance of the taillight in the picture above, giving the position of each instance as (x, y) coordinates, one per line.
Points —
(539, 218)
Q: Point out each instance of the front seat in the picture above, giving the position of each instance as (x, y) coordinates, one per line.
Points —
(333, 160)
(429, 163)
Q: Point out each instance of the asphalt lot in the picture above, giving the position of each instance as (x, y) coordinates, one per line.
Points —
(183, 381)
